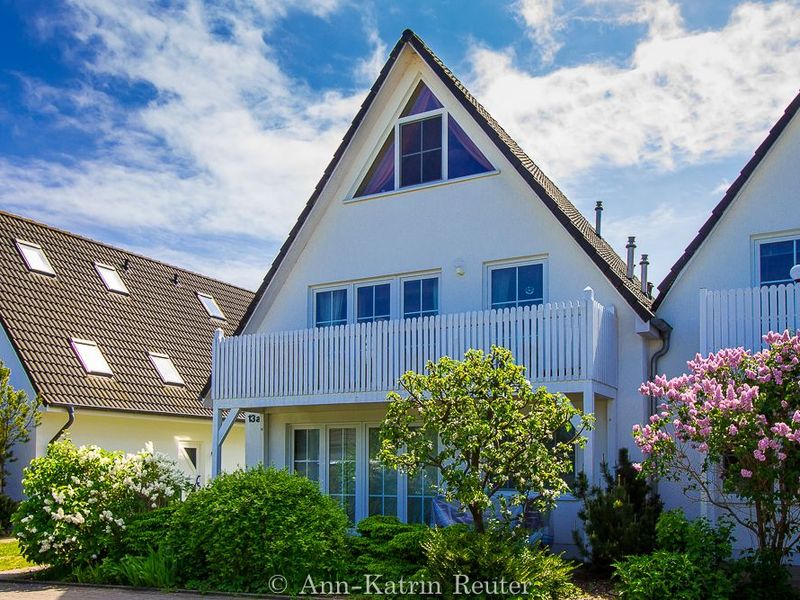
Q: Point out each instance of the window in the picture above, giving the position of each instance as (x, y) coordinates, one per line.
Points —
(166, 370)
(416, 146)
(342, 468)
(516, 286)
(330, 308)
(305, 460)
(420, 297)
(421, 492)
(92, 360)
(421, 151)
(776, 259)
(373, 303)
(211, 306)
(111, 278)
(34, 257)
(382, 481)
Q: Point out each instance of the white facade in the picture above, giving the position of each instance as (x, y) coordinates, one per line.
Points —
(456, 231)
(725, 271)
(115, 430)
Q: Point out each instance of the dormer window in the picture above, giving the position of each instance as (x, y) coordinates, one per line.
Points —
(92, 359)
(211, 306)
(432, 147)
(34, 257)
(111, 278)
(165, 368)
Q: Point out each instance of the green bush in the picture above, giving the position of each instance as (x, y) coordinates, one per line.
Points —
(499, 554)
(618, 519)
(247, 526)
(764, 577)
(79, 501)
(385, 546)
(145, 532)
(680, 541)
(7, 508)
(658, 576)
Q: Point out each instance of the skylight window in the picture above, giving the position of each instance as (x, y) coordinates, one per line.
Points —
(166, 369)
(34, 257)
(211, 306)
(111, 278)
(92, 360)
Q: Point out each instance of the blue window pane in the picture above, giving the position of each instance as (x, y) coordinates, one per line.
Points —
(529, 284)
(431, 165)
(411, 138)
(364, 305)
(430, 295)
(382, 301)
(411, 297)
(331, 308)
(421, 100)
(410, 170)
(777, 258)
(432, 133)
(504, 286)
(463, 156)
(421, 151)
(339, 306)
(323, 307)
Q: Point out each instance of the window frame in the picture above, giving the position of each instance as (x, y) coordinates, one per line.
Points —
(99, 267)
(33, 246)
(331, 288)
(201, 296)
(152, 356)
(437, 276)
(789, 236)
(373, 283)
(75, 343)
(399, 122)
(490, 266)
(400, 492)
(290, 455)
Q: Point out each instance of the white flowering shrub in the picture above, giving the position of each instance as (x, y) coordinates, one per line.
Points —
(80, 498)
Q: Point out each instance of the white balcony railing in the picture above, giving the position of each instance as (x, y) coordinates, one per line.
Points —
(556, 342)
(740, 317)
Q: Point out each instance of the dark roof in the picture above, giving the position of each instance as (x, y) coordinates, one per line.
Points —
(40, 313)
(727, 199)
(567, 214)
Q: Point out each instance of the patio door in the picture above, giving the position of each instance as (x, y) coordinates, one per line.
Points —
(342, 449)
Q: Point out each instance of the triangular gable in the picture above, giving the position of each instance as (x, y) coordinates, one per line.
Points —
(727, 199)
(419, 157)
(600, 252)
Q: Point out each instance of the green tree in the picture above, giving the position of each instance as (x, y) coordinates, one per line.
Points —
(19, 415)
(620, 518)
(496, 432)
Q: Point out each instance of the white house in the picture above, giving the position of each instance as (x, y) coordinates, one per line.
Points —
(117, 345)
(430, 232)
(732, 284)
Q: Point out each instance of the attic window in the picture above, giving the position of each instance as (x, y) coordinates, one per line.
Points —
(92, 360)
(425, 145)
(34, 257)
(211, 306)
(166, 369)
(111, 278)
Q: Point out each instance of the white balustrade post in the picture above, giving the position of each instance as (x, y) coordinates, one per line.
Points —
(589, 341)
(588, 449)
(703, 321)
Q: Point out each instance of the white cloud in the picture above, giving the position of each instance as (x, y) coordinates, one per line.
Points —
(231, 143)
(542, 24)
(684, 97)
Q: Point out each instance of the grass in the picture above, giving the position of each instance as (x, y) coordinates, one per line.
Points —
(10, 558)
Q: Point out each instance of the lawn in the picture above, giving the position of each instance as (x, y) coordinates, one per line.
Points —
(10, 558)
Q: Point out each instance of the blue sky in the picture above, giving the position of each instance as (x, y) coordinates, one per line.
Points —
(195, 131)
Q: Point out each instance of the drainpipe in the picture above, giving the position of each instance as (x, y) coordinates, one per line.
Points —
(665, 333)
(67, 425)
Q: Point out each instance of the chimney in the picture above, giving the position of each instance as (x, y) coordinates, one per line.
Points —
(643, 264)
(649, 289)
(631, 246)
(598, 215)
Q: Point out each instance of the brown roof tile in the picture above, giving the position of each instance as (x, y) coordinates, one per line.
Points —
(40, 314)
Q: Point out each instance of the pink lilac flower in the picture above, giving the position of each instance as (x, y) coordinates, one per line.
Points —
(746, 474)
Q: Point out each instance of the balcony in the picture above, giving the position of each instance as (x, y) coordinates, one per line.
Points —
(740, 317)
(564, 345)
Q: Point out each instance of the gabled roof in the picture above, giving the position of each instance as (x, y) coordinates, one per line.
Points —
(40, 314)
(727, 199)
(600, 251)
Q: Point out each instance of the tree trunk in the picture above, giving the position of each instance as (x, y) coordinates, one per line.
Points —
(477, 518)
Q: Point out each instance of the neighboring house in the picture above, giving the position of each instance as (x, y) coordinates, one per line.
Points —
(430, 232)
(732, 284)
(122, 340)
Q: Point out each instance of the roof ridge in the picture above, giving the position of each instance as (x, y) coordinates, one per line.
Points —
(118, 249)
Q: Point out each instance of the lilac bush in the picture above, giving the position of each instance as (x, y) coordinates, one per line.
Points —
(730, 428)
